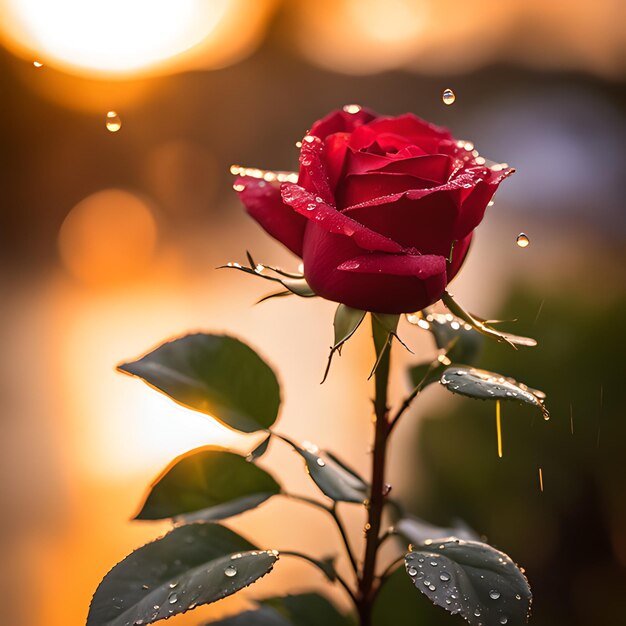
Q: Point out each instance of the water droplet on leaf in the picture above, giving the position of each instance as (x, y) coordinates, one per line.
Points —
(230, 571)
(494, 594)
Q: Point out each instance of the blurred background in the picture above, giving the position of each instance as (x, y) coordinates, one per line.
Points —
(119, 121)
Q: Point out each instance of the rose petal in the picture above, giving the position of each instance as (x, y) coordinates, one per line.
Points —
(420, 266)
(410, 126)
(336, 152)
(332, 221)
(264, 203)
(459, 253)
(341, 121)
(313, 175)
(382, 283)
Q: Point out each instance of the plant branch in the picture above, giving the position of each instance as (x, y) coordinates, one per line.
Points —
(315, 563)
(377, 493)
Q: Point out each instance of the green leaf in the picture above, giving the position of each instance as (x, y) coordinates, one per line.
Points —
(483, 326)
(417, 531)
(397, 603)
(309, 609)
(485, 385)
(333, 477)
(425, 374)
(263, 616)
(207, 484)
(472, 579)
(192, 565)
(346, 322)
(215, 374)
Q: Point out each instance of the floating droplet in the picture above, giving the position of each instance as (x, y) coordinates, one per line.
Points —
(113, 122)
(352, 108)
(494, 594)
(298, 144)
(173, 598)
(412, 571)
(522, 240)
(448, 96)
(444, 576)
(37, 64)
(230, 571)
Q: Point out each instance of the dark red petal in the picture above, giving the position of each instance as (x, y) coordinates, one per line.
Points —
(393, 286)
(332, 221)
(341, 121)
(420, 266)
(459, 253)
(425, 224)
(336, 153)
(264, 203)
(313, 175)
(410, 126)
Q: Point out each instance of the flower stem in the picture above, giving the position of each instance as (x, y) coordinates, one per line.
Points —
(377, 494)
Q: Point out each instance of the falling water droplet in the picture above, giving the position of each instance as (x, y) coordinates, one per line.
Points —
(499, 428)
(113, 122)
(37, 64)
(230, 571)
(298, 144)
(448, 96)
(522, 240)
(494, 594)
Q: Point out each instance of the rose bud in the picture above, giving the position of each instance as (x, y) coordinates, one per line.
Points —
(383, 211)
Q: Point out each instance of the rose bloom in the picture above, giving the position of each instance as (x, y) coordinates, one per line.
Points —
(383, 211)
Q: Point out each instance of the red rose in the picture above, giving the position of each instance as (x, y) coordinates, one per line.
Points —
(379, 205)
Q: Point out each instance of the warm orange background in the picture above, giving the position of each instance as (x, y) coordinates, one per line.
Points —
(109, 241)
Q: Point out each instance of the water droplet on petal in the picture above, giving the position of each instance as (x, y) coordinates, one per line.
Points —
(230, 571)
(352, 108)
(448, 96)
(37, 64)
(113, 122)
(522, 240)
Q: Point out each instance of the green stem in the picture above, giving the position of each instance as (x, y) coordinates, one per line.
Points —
(377, 494)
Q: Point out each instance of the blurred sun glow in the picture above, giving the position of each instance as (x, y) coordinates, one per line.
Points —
(119, 39)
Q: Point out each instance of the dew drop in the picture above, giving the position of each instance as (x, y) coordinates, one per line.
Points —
(494, 594)
(477, 612)
(352, 108)
(230, 571)
(448, 97)
(320, 462)
(412, 571)
(37, 64)
(522, 240)
(113, 122)
(173, 585)
(504, 619)
(434, 563)
(432, 588)
(444, 576)
(173, 598)
(239, 187)
(311, 207)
